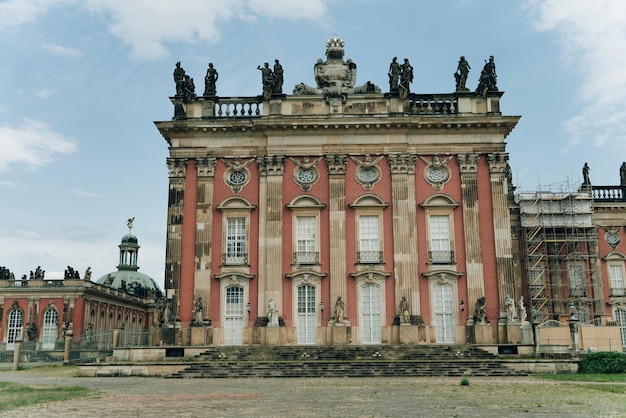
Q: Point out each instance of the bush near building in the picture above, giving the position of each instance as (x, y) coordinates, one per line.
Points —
(603, 362)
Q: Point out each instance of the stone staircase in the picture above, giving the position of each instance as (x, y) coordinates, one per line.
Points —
(348, 361)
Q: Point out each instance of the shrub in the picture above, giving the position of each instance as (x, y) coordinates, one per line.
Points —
(464, 382)
(603, 362)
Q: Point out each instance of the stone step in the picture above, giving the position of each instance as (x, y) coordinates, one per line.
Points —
(349, 361)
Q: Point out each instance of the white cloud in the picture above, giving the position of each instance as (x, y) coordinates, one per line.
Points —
(62, 50)
(86, 194)
(16, 12)
(146, 25)
(7, 184)
(289, 9)
(33, 144)
(593, 36)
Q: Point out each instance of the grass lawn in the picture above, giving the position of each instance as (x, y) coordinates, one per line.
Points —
(618, 378)
(15, 395)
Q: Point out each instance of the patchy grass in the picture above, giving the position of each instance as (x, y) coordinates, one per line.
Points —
(604, 378)
(15, 395)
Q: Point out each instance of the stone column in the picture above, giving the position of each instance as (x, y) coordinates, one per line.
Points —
(184, 313)
(271, 170)
(468, 164)
(204, 231)
(177, 168)
(404, 208)
(498, 167)
(337, 216)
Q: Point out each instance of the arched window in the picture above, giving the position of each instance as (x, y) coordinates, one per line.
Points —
(15, 325)
(49, 331)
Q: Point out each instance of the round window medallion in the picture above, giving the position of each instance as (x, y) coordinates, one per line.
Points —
(437, 175)
(237, 177)
(613, 239)
(367, 175)
(306, 176)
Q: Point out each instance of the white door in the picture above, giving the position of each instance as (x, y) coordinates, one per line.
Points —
(370, 314)
(444, 317)
(49, 331)
(306, 315)
(233, 318)
(14, 331)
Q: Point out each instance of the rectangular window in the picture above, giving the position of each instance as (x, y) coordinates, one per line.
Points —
(369, 239)
(440, 245)
(236, 241)
(616, 275)
(306, 240)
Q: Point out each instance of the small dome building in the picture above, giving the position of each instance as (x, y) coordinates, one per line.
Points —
(127, 277)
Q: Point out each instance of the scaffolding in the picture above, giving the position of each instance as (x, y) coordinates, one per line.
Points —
(561, 255)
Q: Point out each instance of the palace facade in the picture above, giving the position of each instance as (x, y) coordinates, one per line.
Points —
(309, 218)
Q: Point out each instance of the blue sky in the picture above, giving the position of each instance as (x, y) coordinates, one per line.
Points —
(83, 81)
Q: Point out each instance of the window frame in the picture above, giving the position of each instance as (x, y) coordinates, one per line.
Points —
(616, 260)
(369, 205)
(305, 206)
(435, 206)
(235, 208)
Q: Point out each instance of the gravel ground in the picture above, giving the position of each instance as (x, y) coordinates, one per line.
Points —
(324, 397)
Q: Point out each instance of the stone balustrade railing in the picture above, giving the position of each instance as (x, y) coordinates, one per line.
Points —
(609, 193)
(238, 107)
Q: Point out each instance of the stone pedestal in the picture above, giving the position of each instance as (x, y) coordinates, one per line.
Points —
(482, 333)
(340, 335)
(272, 335)
(17, 352)
(162, 336)
(527, 333)
(513, 333)
(407, 333)
(201, 335)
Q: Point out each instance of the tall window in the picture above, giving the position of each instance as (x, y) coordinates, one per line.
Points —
(370, 314)
(14, 330)
(369, 239)
(233, 316)
(368, 210)
(444, 316)
(306, 242)
(616, 276)
(306, 325)
(236, 241)
(440, 244)
(49, 331)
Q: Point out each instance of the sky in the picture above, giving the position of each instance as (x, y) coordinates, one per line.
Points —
(81, 82)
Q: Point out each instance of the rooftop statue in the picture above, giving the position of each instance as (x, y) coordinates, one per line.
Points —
(488, 78)
(335, 78)
(462, 70)
(278, 77)
(210, 81)
(406, 78)
(179, 79)
(267, 78)
(394, 75)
